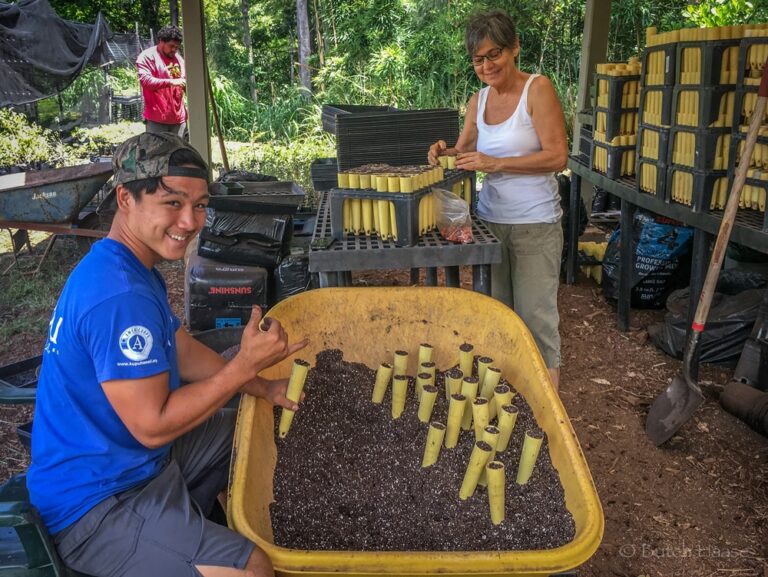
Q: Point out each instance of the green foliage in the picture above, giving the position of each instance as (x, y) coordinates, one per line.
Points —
(101, 140)
(712, 13)
(24, 143)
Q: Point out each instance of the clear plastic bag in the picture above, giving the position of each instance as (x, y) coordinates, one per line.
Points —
(453, 220)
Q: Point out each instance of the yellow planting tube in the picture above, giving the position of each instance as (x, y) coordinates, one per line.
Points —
(347, 215)
(392, 219)
(296, 381)
(528, 455)
(469, 390)
(383, 210)
(455, 413)
(492, 378)
(427, 403)
(494, 472)
(466, 358)
(381, 183)
(342, 178)
(480, 416)
(431, 368)
(507, 420)
(357, 216)
(435, 438)
(393, 183)
(451, 163)
(422, 379)
(443, 161)
(354, 180)
(367, 215)
(383, 376)
(490, 436)
(365, 181)
(399, 392)
(406, 184)
(482, 365)
(401, 362)
(477, 460)
(502, 395)
(453, 383)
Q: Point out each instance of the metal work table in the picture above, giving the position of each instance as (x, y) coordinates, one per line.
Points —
(749, 230)
(335, 263)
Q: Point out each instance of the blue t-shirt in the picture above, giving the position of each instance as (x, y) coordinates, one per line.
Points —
(112, 321)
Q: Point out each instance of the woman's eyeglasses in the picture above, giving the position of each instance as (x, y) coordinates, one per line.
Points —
(491, 55)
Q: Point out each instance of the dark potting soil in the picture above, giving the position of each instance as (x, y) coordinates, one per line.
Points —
(349, 477)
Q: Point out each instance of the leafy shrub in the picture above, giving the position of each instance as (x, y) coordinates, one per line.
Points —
(26, 144)
(101, 140)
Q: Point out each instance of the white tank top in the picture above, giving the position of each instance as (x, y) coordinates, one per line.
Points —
(514, 198)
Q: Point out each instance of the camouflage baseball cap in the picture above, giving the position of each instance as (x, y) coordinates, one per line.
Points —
(148, 155)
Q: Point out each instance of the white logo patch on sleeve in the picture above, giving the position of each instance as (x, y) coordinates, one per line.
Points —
(136, 343)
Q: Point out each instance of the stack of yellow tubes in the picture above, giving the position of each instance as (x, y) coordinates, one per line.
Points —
(594, 250)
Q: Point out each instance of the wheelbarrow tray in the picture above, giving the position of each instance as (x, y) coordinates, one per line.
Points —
(51, 196)
(368, 324)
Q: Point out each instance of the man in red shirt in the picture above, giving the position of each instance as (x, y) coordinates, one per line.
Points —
(163, 81)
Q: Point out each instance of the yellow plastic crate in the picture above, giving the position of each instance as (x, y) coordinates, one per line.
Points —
(368, 324)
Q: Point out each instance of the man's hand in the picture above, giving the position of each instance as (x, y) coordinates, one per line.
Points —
(272, 391)
(262, 348)
(179, 82)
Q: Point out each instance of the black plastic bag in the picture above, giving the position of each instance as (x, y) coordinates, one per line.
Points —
(735, 307)
(249, 239)
(661, 260)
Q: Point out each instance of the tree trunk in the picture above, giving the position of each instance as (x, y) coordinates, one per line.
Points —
(244, 6)
(319, 42)
(173, 8)
(302, 24)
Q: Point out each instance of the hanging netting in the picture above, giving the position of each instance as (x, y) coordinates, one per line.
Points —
(41, 54)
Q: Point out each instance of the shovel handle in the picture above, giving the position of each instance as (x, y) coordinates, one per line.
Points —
(729, 215)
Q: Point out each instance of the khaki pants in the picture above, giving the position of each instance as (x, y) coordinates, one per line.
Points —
(528, 277)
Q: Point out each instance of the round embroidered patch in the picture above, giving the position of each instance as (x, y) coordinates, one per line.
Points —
(136, 343)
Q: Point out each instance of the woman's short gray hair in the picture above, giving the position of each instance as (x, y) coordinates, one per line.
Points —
(496, 25)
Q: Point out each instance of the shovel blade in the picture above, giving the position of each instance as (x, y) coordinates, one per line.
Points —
(671, 409)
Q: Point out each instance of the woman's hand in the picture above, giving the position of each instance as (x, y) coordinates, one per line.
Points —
(476, 161)
(435, 150)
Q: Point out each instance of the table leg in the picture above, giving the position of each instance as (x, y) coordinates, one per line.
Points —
(625, 265)
(452, 277)
(430, 278)
(574, 218)
(414, 276)
(345, 278)
(481, 278)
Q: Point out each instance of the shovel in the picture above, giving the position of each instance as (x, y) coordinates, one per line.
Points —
(677, 403)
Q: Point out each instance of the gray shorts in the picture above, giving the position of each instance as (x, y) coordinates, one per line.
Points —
(179, 130)
(160, 528)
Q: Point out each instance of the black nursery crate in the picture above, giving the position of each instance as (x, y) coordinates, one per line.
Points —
(651, 178)
(653, 143)
(707, 64)
(744, 104)
(397, 138)
(617, 92)
(331, 112)
(703, 107)
(406, 208)
(323, 172)
(610, 126)
(753, 194)
(700, 149)
(585, 143)
(257, 197)
(751, 51)
(656, 106)
(698, 189)
(613, 161)
(759, 158)
(659, 65)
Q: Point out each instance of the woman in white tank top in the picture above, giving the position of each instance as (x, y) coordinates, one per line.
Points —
(514, 131)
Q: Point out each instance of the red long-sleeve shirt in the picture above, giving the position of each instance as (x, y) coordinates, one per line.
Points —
(163, 102)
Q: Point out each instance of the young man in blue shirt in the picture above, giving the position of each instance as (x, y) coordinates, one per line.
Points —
(126, 462)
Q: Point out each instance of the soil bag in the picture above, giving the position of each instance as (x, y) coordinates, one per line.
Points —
(736, 305)
(453, 220)
(249, 239)
(661, 260)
